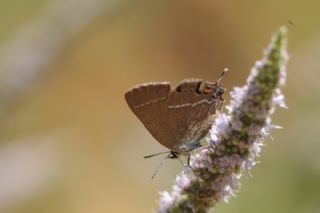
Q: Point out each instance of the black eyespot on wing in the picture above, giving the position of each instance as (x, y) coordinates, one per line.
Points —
(178, 88)
(189, 85)
(199, 88)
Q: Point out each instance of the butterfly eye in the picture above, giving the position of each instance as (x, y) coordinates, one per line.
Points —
(218, 92)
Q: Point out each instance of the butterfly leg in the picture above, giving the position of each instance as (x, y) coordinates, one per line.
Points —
(188, 163)
(189, 160)
(175, 155)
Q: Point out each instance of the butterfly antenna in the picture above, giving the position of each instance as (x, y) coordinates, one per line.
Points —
(225, 70)
(161, 163)
(149, 156)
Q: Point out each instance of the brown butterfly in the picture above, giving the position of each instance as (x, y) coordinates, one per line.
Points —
(177, 118)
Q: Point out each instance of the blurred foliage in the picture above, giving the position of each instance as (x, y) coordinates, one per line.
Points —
(16, 13)
(96, 144)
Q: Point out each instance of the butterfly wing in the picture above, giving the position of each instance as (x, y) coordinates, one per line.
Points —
(178, 119)
(149, 103)
(191, 113)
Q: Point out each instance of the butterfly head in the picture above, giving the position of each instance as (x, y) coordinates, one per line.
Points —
(214, 89)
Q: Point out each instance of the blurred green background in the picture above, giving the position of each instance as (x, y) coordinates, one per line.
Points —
(70, 144)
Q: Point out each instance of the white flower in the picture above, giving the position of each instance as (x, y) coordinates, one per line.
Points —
(166, 201)
(235, 140)
(183, 180)
(278, 99)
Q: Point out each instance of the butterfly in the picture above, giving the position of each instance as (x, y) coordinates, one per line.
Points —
(177, 118)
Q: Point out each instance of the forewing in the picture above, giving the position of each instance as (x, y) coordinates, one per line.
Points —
(149, 104)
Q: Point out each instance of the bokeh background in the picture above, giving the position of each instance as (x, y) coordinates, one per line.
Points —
(70, 144)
